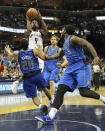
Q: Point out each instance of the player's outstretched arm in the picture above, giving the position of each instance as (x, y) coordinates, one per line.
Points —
(60, 54)
(82, 42)
(44, 26)
(29, 27)
(64, 63)
(38, 52)
(11, 53)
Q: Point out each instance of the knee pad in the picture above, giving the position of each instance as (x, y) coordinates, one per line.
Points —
(83, 91)
(62, 89)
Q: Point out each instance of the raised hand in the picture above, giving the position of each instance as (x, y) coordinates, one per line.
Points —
(96, 61)
(7, 48)
(59, 65)
(39, 15)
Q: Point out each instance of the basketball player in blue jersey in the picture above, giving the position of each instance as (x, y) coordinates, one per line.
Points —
(36, 29)
(74, 75)
(88, 70)
(51, 70)
(32, 76)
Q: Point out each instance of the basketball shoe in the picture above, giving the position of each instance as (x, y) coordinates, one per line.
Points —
(45, 119)
(44, 110)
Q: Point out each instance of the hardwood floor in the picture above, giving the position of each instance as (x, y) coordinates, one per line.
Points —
(69, 99)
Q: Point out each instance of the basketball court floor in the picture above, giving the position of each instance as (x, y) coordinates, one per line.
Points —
(76, 114)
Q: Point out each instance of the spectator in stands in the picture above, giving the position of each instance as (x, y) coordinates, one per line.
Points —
(1, 67)
(96, 76)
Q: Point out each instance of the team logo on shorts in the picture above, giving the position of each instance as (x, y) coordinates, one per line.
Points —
(87, 82)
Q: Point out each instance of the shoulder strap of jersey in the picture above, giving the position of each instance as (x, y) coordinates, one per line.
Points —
(19, 55)
(58, 49)
(47, 48)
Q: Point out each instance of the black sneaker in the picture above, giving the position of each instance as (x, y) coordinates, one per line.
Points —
(44, 110)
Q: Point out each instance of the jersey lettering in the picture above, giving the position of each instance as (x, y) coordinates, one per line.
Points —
(27, 65)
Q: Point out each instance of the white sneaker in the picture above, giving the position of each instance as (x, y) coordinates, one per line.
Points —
(51, 101)
(15, 87)
(103, 101)
(39, 95)
(102, 98)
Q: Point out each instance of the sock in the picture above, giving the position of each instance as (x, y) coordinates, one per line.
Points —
(102, 98)
(17, 81)
(39, 95)
(53, 112)
(52, 99)
(40, 105)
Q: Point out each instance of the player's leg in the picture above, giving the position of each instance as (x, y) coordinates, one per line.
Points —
(58, 101)
(82, 85)
(42, 84)
(52, 88)
(53, 78)
(41, 67)
(47, 93)
(43, 108)
(30, 89)
(65, 84)
(36, 101)
(39, 94)
(46, 76)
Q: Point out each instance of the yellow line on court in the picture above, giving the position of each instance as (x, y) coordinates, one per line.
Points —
(74, 100)
(10, 108)
(17, 109)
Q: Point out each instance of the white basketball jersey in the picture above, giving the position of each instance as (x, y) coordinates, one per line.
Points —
(35, 38)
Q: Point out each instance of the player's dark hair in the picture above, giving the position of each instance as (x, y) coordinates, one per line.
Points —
(34, 27)
(24, 44)
(70, 29)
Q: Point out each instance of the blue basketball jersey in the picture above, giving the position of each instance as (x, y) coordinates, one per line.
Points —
(73, 54)
(51, 64)
(28, 62)
(74, 76)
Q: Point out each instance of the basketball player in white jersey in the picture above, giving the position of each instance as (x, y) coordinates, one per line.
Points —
(35, 35)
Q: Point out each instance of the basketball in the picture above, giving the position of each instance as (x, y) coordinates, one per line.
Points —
(32, 13)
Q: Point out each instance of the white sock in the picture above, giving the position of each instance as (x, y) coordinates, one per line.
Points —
(53, 112)
(102, 98)
(40, 105)
(17, 81)
(39, 95)
(52, 100)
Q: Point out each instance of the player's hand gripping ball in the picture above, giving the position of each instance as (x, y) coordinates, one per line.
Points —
(32, 13)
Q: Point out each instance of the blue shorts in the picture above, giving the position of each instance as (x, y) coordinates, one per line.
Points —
(74, 76)
(51, 75)
(88, 75)
(30, 85)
